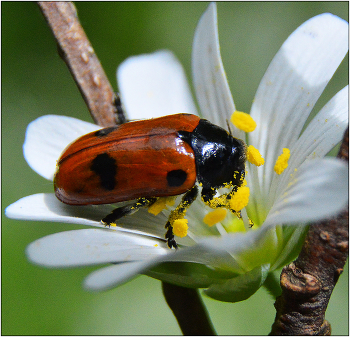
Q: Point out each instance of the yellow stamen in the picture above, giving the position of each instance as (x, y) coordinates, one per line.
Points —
(254, 156)
(243, 121)
(161, 204)
(157, 207)
(180, 227)
(170, 201)
(282, 161)
(215, 216)
(240, 199)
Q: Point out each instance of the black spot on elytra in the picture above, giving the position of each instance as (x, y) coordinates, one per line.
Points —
(105, 131)
(106, 168)
(176, 178)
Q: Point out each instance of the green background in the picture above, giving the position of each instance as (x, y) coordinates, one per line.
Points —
(35, 82)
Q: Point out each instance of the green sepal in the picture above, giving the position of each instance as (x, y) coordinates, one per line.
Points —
(239, 288)
(190, 275)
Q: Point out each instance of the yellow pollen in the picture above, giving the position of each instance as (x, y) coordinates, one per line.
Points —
(240, 199)
(254, 156)
(243, 121)
(170, 201)
(180, 227)
(282, 161)
(161, 204)
(157, 207)
(215, 216)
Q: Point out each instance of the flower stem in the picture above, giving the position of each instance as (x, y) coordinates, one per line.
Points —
(189, 310)
(272, 285)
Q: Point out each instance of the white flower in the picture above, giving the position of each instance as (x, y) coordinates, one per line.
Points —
(230, 262)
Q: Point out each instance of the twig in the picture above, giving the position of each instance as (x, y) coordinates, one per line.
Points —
(189, 310)
(77, 52)
(308, 282)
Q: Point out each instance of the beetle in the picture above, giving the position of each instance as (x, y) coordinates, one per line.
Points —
(148, 159)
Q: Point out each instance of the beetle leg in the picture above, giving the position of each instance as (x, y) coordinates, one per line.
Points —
(178, 213)
(127, 210)
(208, 197)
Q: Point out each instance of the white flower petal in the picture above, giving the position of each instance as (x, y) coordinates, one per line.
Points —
(325, 130)
(115, 275)
(231, 252)
(216, 252)
(292, 84)
(210, 251)
(93, 246)
(209, 78)
(154, 85)
(46, 207)
(225, 252)
(319, 190)
(47, 137)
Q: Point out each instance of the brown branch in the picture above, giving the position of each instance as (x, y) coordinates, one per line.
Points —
(77, 52)
(308, 282)
(189, 310)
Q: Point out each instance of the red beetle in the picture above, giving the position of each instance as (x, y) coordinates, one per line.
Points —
(148, 159)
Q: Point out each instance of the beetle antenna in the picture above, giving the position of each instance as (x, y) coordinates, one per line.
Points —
(228, 126)
(120, 113)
